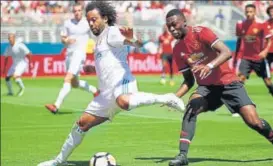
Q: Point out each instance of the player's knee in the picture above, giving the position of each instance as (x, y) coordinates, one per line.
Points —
(75, 83)
(123, 102)
(83, 125)
(268, 81)
(194, 107)
(242, 77)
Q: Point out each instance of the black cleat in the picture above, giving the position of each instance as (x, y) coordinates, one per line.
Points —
(180, 160)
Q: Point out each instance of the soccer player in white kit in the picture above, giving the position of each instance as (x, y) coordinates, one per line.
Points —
(117, 85)
(75, 34)
(20, 57)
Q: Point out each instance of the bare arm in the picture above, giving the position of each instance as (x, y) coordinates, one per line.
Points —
(264, 52)
(238, 45)
(186, 85)
(223, 56)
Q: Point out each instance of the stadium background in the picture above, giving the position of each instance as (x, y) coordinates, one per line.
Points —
(38, 24)
(147, 136)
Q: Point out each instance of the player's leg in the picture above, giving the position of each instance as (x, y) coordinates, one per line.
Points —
(245, 68)
(163, 72)
(19, 70)
(201, 101)
(128, 98)
(263, 70)
(85, 123)
(242, 103)
(8, 80)
(76, 83)
(170, 61)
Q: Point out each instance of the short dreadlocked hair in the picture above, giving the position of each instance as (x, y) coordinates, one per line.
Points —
(105, 10)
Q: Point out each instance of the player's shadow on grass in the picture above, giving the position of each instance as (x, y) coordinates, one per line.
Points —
(79, 163)
(195, 160)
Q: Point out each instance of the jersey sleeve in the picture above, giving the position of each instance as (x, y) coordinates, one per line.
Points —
(115, 38)
(24, 48)
(208, 37)
(180, 60)
(239, 28)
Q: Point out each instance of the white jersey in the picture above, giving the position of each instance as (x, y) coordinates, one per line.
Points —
(78, 30)
(18, 52)
(111, 58)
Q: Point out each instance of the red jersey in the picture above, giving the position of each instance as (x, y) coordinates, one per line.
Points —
(252, 34)
(166, 42)
(238, 30)
(269, 29)
(196, 48)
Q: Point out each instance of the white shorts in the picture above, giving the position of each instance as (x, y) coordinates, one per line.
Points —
(104, 105)
(17, 69)
(74, 62)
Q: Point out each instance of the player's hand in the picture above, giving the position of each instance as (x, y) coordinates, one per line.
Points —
(71, 41)
(127, 32)
(203, 69)
(263, 54)
(89, 69)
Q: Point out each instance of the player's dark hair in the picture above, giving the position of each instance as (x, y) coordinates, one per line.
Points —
(250, 6)
(175, 12)
(105, 10)
(268, 9)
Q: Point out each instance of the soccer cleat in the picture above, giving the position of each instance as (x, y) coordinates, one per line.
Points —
(21, 92)
(235, 115)
(162, 81)
(172, 83)
(96, 93)
(175, 102)
(52, 108)
(179, 160)
(10, 94)
(52, 163)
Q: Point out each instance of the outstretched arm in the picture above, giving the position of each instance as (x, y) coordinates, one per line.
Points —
(187, 84)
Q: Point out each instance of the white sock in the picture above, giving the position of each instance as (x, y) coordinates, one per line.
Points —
(9, 85)
(142, 98)
(85, 86)
(20, 83)
(73, 140)
(62, 94)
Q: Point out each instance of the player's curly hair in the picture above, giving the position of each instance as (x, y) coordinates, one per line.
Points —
(268, 9)
(105, 10)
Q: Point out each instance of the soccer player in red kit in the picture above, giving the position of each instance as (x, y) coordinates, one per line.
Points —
(165, 51)
(269, 27)
(201, 55)
(253, 33)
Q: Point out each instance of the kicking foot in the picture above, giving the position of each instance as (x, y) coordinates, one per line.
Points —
(21, 92)
(51, 163)
(52, 108)
(179, 160)
(175, 102)
(235, 115)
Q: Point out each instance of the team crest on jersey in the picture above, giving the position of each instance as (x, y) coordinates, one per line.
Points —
(268, 26)
(195, 57)
(182, 53)
(255, 30)
(243, 31)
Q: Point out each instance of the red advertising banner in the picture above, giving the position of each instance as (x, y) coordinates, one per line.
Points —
(55, 65)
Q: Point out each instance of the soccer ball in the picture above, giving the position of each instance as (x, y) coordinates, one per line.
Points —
(102, 159)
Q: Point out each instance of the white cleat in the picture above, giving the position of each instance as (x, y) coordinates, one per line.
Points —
(175, 102)
(235, 115)
(21, 92)
(52, 163)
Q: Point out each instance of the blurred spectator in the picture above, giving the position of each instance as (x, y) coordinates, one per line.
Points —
(219, 19)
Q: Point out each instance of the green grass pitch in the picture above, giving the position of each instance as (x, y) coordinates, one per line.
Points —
(147, 136)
